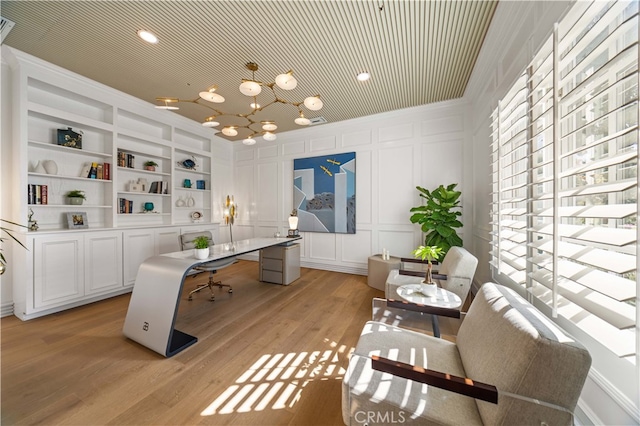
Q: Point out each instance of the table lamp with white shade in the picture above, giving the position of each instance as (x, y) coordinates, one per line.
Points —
(293, 224)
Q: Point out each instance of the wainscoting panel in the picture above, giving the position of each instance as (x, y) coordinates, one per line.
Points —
(395, 132)
(243, 190)
(364, 188)
(323, 144)
(245, 155)
(267, 197)
(295, 149)
(395, 179)
(356, 248)
(399, 243)
(356, 139)
(268, 151)
(321, 246)
(441, 125)
(435, 170)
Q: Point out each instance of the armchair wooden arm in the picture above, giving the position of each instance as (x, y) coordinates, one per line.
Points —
(426, 309)
(460, 385)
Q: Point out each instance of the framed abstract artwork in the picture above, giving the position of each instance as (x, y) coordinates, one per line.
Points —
(324, 193)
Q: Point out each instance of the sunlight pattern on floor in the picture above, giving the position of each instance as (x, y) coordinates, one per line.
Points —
(276, 381)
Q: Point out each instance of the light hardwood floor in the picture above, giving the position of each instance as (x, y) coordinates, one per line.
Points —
(266, 355)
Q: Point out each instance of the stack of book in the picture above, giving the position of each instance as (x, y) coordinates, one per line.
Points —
(125, 206)
(96, 171)
(126, 160)
(37, 194)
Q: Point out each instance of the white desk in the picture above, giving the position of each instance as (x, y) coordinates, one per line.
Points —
(153, 307)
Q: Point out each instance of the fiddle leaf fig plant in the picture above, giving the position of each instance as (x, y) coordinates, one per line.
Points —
(438, 217)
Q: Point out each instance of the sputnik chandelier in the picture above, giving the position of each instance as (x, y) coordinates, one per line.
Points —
(251, 88)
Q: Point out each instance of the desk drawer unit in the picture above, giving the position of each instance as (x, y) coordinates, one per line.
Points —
(280, 264)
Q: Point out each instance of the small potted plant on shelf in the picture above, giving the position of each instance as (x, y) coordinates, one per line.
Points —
(201, 246)
(428, 287)
(76, 197)
(150, 165)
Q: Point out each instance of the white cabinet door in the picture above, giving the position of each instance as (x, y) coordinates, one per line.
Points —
(103, 261)
(168, 240)
(138, 246)
(58, 270)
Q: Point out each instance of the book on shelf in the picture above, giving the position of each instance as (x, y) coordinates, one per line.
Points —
(125, 206)
(37, 194)
(93, 171)
(159, 187)
(126, 160)
(85, 170)
(96, 171)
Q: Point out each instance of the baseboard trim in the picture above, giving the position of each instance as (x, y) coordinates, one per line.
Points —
(6, 310)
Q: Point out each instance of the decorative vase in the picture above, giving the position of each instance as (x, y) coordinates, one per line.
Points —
(202, 254)
(39, 168)
(50, 167)
(76, 201)
(427, 289)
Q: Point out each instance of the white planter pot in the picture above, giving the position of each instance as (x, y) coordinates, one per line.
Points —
(201, 254)
(428, 290)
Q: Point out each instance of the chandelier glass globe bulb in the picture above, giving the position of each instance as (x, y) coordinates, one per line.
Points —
(269, 126)
(210, 122)
(229, 131)
(268, 136)
(250, 88)
(167, 103)
(313, 103)
(249, 141)
(286, 81)
(302, 120)
(211, 96)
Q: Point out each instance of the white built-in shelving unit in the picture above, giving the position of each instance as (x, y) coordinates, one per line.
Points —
(69, 267)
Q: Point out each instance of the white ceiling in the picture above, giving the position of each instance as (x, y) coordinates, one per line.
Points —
(418, 52)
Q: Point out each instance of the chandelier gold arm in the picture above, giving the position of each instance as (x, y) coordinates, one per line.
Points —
(253, 67)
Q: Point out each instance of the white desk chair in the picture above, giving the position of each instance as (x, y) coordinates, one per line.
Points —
(186, 242)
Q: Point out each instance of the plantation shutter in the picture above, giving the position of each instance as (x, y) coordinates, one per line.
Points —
(565, 178)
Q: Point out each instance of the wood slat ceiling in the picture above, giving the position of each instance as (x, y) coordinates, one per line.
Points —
(418, 52)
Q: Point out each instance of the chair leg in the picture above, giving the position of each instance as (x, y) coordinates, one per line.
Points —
(218, 283)
(201, 287)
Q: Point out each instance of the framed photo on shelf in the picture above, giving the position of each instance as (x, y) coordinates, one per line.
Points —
(77, 220)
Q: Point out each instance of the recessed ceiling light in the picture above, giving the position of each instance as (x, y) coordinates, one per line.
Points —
(148, 36)
(363, 76)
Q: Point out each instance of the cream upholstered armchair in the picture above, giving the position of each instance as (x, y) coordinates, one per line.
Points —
(454, 274)
(510, 365)
(457, 263)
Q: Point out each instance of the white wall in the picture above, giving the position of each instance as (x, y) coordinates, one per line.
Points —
(395, 152)
(516, 33)
(6, 301)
